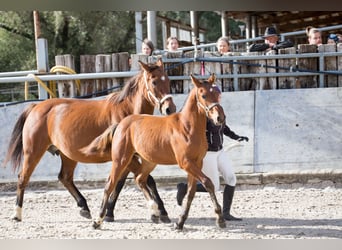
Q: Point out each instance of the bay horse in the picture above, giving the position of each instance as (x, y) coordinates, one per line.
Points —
(64, 126)
(175, 139)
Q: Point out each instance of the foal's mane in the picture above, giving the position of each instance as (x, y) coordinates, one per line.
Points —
(130, 88)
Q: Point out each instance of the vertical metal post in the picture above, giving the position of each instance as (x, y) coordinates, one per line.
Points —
(223, 23)
(42, 64)
(41, 53)
(151, 26)
(138, 31)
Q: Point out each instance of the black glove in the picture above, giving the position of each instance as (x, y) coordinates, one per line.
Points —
(242, 138)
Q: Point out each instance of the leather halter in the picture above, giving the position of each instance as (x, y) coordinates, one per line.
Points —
(150, 94)
(205, 107)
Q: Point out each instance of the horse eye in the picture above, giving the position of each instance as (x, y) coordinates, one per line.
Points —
(204, 96)
(154, 83)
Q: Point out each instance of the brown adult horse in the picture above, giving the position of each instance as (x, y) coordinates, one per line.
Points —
(66, 125)
(175, 139)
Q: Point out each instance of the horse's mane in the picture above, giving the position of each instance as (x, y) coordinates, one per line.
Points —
(131, 88)
(128, 90)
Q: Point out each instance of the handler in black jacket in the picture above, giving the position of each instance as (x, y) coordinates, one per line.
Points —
(216, 162)
(271, 42)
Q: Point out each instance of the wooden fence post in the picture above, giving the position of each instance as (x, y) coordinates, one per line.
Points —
(339, 64)
(309, 64)
(248, 66)
(175, 69)
(66, 88)
(330, 63)
(87, 65)
(103, 64)
(191, 68)
(286, 82)
(138, 57)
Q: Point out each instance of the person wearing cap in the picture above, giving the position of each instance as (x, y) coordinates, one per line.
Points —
(332, 39)
(216, 162)
(271, 42)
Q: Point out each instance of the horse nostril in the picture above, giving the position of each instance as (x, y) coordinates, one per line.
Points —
(168, 111)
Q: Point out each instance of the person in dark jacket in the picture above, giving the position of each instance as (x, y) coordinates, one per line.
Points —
(217, 162)
(271, 42)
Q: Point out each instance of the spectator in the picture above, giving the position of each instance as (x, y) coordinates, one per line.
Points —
(271, 42)
(217, 161)
(339, 38)
(223, 45)
(147, 47)
(334, 38)
(314, 35)
(172, 44)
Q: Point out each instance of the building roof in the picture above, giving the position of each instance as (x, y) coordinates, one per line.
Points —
(288, 21)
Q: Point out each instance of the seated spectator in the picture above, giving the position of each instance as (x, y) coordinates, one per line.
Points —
(147, 47)
(271, 42)
(314, 35)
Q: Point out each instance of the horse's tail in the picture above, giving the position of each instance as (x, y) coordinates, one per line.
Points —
(15, 146)
(102, 143)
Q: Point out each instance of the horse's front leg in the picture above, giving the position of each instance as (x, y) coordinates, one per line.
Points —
(112, 181)
(114, 197)
(186, 203)
(209, 186)
(195, 173)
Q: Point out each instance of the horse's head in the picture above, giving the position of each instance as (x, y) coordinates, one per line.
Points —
(157, 85)
(208, 97)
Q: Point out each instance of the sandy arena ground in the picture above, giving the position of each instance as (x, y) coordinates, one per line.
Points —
(268, 212)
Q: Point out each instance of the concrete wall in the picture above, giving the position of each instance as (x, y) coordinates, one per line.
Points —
(295, 130)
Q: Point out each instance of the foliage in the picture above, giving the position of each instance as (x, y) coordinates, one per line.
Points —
(79, 33)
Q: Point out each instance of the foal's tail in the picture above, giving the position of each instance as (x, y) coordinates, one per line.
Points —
(15, 146)
(102, 143)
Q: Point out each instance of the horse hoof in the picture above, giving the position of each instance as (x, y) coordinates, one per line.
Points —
(109, 219)
(221, 223)
(155, 219)
(85, 214)
(16, 219)
(96, 225)
(165, 219)
(178, 227)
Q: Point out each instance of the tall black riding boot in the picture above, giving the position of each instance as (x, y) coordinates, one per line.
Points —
(228, 194)
(183, 187)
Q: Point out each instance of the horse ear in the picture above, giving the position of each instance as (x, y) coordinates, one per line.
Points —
(212, 78)
(160, 62)
(195, 81)
(144, 66)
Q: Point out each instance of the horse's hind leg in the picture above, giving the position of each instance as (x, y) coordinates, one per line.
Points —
(141, 179)
(66, 176)
(31, 159)
(164, 217)
(137, 168)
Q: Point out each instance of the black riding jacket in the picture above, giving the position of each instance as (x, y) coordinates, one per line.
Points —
(265, 46)
(215, 135)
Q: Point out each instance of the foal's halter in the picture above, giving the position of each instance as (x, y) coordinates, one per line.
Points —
(151, 95)
(205, 107)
